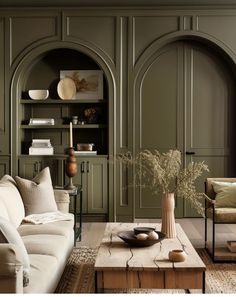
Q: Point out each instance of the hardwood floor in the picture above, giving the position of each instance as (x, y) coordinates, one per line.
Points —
(92, 233)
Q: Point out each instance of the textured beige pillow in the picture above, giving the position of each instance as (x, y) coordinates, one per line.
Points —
(37, 195)
(225, 194)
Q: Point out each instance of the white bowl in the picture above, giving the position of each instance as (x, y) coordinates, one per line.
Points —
(38, 94)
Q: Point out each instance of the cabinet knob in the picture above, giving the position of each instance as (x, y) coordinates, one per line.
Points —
(190, 153)
(82, 167)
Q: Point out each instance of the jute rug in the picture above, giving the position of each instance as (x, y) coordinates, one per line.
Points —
(78, 276)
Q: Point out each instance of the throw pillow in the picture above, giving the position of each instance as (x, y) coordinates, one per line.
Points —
(225, 194)
(11, 200)
(9, 234)
(37, 195)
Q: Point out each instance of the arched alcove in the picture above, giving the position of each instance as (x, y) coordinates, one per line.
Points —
(40, 69)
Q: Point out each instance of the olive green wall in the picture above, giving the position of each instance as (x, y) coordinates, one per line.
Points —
(123, 41)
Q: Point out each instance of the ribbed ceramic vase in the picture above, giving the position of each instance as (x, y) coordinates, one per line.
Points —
(168, 215)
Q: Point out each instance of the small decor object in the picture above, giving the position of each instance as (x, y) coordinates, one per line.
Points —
(147, 230)
(168, 216)
(71, 136)
(71, 168)
(71, 163)
(85, 146)
(162, 173)
(75, 120)
(88, 83)
(38, 94)
(177, 256)
(91, 115)
(142, 236)
(153, 235)
(66, 88)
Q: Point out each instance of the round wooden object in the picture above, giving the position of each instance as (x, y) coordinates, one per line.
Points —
(66, 88)
(177, 256)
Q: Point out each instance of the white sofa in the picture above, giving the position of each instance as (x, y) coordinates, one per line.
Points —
(48, 246)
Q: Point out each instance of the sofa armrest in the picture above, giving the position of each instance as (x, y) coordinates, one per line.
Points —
(62, 199)
(11, 269)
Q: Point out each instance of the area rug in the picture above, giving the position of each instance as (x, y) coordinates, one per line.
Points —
(78, 276)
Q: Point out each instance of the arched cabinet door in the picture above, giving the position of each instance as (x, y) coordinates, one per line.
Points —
(182, 101)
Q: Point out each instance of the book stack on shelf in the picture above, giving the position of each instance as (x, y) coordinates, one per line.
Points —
(88, 153)
(41, 147)
(41, 121)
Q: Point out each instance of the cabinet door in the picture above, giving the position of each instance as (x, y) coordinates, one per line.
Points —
(30, 167)
(96, 171)
(79, 179)
(4, 166)
(56, 170)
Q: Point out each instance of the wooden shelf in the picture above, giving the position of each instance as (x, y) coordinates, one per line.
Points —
(60, 101)
(86, 126)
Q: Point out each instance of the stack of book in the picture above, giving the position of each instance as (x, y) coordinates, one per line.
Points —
(41, 121)
(41, 147)
(89, 153)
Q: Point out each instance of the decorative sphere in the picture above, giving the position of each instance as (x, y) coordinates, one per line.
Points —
(153, 235)
(142, 236)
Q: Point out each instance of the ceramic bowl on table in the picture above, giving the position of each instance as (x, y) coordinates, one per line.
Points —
(38, 94)
(130, 238)
(146, 230)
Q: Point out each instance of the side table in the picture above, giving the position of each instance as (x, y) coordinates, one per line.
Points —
(76, 194)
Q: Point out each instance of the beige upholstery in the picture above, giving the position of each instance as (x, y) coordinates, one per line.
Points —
(48, 246)
(11, 269)
(10, 197)
(223, 215)
(62, 199)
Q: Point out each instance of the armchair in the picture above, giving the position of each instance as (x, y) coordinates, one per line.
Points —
(214, 216)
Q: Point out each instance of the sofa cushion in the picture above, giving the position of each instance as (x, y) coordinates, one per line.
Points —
(225, 194)
(3, 211)
(45, 244)
(62, 228)
(37, 195)
(10, 235)
(11, 198)
(44, 269)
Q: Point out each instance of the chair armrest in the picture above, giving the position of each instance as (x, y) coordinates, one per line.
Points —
(62, 199)
(11, 269)
(209, 200)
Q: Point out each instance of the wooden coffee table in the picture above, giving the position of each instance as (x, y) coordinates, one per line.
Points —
(119, 266)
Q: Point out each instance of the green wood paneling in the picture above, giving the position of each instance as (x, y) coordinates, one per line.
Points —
(4, 101)
(96, 171)
(149, 28)
(4, 166)
(97, 30)
(208, 97)
(159, 122)
(26, 29)
(92, 174)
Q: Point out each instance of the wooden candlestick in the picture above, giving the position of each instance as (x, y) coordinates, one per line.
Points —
(71, 168)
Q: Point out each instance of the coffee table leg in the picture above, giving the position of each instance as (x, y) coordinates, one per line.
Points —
(96, 282)
(203, 282)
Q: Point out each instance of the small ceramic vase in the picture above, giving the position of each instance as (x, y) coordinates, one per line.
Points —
(177, 256)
